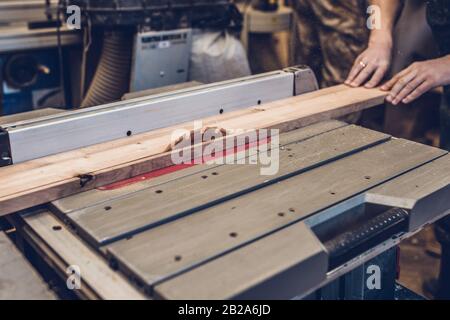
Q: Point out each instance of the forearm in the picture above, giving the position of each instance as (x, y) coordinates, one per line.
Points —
(371, 66)
(389, 11)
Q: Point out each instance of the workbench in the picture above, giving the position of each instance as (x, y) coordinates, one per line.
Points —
(343, 196)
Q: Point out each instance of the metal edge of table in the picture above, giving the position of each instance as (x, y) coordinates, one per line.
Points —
(61, 248)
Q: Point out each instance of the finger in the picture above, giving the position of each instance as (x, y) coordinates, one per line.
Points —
(402, 82)
(358, 66)
(390, 84)
(408, 89)
(423, 88)
(377, 77)
(399, 85)
(363, 75)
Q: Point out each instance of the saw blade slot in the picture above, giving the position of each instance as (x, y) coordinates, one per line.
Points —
(359, 229)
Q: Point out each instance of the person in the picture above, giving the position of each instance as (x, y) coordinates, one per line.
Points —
(371, 66)
(330, 35)
(413, 42)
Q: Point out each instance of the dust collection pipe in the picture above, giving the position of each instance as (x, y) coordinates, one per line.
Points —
(112, 77)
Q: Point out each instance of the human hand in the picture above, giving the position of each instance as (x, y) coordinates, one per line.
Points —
(417, 79)
(371, 66)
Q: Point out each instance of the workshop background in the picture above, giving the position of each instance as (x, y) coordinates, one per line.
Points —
(45, 64)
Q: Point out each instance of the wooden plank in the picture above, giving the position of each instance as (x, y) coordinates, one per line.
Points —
(271, 268)
(96, 196)
(45, 170)
(47, 179)
(183, 244)
(18, 279)
(65, 250)
(127, 215)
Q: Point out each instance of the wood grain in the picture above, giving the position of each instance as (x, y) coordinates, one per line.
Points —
(50, 178)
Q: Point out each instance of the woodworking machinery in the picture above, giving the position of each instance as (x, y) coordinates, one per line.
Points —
(144, 44)
(325, 226)
(35, 138)
(127, 46)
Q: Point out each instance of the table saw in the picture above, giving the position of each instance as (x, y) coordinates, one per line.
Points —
(343, 197)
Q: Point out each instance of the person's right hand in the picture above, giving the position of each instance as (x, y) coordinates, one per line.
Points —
(371, 66)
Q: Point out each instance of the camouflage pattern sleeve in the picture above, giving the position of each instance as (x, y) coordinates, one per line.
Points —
(330, 36)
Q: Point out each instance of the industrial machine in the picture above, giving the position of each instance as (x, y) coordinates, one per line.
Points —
(160, 58)
(318, 229)
(30, 139)
(120, 47)
(30, 56)
(143, 44)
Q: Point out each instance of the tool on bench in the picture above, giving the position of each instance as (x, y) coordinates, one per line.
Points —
(339, 199)
(32, 139)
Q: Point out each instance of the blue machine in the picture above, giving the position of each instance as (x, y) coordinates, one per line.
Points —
(30, 75)
(29, 80)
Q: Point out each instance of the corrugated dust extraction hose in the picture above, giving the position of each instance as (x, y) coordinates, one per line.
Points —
(112, 77)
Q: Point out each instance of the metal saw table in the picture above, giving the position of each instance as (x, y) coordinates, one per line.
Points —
(343, 196)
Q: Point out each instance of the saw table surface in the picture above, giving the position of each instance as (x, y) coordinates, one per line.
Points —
(214, 184)
(225, 231)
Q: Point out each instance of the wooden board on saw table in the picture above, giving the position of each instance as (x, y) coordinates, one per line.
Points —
(18, 279)
(188, 242)
(127, 215)
(97, 196)
(51, 178)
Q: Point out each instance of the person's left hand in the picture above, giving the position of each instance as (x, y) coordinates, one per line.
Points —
(418, 79)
